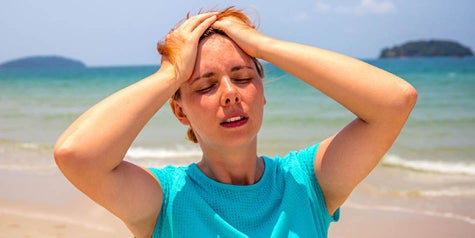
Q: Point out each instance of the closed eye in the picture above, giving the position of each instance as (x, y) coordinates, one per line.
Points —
(242, 80)
(206, 88)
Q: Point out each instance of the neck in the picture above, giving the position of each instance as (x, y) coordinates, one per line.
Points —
(237, 166)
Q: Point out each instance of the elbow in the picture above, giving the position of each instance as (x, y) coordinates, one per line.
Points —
(402, 104)
(409, 95)
(62, 154)
(76, 158)
(396, 107)
(69, 158)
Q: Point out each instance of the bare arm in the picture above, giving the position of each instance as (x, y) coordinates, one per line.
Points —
(381, 102)
(90, 152)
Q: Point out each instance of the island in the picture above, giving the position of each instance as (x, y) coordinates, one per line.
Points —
(35, 62)
(429, 48)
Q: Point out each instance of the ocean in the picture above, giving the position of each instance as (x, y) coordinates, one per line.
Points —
(429, 171)
(439, 138)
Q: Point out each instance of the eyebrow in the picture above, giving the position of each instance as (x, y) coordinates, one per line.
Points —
(211, 74)
(239, 67)
(205, 75)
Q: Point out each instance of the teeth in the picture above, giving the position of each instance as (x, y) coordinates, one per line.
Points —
(233, 119)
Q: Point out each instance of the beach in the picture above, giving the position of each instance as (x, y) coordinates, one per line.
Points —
(423, 187)
(419, 209)
(47, 205)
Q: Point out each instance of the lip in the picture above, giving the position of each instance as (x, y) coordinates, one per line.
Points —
(234, 121)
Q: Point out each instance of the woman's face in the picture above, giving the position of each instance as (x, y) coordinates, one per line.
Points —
(223, 101)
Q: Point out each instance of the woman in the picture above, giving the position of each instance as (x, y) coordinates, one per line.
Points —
(209, 67)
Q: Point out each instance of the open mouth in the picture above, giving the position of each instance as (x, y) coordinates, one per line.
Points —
(235, 121)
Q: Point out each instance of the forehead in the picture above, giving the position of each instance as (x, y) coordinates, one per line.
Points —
(219, 50)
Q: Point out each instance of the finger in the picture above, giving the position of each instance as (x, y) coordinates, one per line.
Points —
(201, 28)
(191, 23)
(226, 24)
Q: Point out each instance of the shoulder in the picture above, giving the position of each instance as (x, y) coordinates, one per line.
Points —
(170, 176)
(300, 165)
(297, 165)
(302, 159)
(168, 171)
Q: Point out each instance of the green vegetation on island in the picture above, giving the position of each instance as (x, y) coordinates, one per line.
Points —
(430, 48)
(42, 62)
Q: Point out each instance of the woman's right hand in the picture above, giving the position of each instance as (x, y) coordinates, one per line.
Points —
(181, 44)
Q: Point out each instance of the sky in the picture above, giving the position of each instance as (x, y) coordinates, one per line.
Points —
(119, 32)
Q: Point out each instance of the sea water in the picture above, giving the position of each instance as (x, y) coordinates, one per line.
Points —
(439, 137)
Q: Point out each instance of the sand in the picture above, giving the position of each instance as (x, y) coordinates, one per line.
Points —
(47, 205)
(394, 202)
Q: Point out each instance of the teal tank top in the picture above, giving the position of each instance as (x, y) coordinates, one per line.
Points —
(286, 202)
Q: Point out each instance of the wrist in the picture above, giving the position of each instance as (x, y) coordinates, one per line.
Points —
(167, 70)
(165, 80)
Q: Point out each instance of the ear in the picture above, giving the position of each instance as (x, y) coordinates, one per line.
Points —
(179, 113)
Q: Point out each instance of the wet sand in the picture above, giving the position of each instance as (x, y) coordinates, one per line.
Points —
(391, 202)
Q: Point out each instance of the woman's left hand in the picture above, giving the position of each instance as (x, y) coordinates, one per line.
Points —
(248, 38)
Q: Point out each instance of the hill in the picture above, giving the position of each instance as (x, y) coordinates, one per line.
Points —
(42, 62)
(431, 48)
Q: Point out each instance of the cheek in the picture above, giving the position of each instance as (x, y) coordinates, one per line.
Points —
(256, 93)
(199, 108)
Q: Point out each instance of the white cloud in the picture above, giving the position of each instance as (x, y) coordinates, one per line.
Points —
(363, 7)
(376, 7)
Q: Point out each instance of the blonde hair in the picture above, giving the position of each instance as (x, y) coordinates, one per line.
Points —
(168, 47)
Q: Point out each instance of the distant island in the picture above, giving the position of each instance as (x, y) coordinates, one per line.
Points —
(430, 48)
(42, 62)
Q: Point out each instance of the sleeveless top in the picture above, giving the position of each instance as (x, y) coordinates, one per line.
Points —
(286, 202)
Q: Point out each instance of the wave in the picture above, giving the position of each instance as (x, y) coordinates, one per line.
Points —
(159, 157)
(443, 167)
(38, 159)
(27, 157)
(163, 153)
(187, 153)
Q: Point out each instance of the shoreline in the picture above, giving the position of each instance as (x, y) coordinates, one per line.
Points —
(49, 206)
(390, 202)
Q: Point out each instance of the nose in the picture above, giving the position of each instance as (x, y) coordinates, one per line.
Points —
(230, 95)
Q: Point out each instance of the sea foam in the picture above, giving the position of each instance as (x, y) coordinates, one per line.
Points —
(178, 152)
(443, 167)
